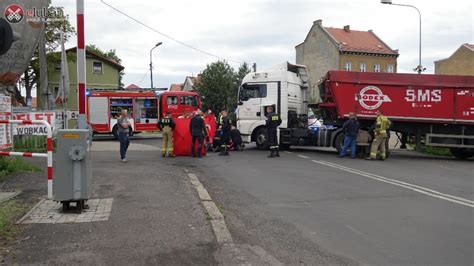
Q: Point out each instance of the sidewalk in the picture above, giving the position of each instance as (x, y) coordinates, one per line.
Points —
(156, 217)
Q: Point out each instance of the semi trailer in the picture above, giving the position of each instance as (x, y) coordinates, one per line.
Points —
(435, 109)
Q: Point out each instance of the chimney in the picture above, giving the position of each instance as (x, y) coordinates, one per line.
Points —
(318, 22)
(347, 28)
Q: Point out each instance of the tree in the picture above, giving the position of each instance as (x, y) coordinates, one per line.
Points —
(219, 85)
(111, 55)
(54, 26)
(244, 69)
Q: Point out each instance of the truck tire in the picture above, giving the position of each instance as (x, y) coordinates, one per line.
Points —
(460, 153)
(338, 142)
(261, 139)
(115, 132)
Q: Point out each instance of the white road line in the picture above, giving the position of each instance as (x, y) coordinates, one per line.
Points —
(416, 188)
(304, 157)
(217, 219)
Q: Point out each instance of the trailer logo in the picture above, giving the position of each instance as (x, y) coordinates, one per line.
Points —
(372, 97)
(14, 13)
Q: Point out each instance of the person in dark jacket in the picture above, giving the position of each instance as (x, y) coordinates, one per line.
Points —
(351, 130)
(273, 121)
(167, 125)
(225, 139)
(197, 127)
(236, 139)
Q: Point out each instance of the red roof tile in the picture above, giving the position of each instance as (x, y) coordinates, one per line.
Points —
(470, 46)
(132, 87)
(360, 41)
(176, 87)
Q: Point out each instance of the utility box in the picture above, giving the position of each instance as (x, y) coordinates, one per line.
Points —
(72, 167)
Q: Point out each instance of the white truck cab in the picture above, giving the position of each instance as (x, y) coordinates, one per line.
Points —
(284, 86)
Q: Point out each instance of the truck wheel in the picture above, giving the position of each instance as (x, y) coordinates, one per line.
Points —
(338, 142)
(261, 139)
(115, 131)
(460, 153)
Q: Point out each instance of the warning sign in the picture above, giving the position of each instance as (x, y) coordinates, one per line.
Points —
(38, 129)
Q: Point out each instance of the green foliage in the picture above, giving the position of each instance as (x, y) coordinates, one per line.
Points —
(441, 151)
(219, 85)
(31, 77)
(10, 165)
(110, 54)
(9, 212)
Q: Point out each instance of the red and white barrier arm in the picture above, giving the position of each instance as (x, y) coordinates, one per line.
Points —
(49, 148)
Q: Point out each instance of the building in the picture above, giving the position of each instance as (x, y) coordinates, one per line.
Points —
(176, 87)
(461, 62)
(101, 73)
(190, 83)
(327, 49)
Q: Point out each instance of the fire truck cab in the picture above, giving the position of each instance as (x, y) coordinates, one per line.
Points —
(145, 108)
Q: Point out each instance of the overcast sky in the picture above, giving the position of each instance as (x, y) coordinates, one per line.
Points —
(261, 31)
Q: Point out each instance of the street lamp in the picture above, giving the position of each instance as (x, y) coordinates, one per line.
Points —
(151, 63)
(419, 68)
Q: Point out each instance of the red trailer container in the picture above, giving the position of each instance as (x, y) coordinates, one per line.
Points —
(402, 97)
(438, 109)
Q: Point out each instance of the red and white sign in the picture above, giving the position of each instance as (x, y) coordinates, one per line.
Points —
(40, 130)
(5, 113)
(14, 13)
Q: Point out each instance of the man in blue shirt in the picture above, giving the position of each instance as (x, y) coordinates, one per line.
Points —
(351, 130)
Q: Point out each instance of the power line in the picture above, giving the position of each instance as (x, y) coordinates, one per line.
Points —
(166, 35)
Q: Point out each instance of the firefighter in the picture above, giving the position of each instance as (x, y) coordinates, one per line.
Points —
(273, 121)
(381, 126)
(167, 125)
(225, 139)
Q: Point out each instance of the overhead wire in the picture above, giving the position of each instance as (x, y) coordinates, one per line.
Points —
(168, 36)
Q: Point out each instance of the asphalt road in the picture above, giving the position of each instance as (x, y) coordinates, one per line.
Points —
(311, 207)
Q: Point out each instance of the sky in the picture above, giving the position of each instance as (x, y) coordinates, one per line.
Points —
(264, 32)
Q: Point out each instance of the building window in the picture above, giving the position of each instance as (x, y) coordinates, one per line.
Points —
(390, 68)
(376, 67)
(97, 67)
(348, 66)
(363, 67)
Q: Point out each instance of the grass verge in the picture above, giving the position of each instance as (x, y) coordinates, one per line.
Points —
(10, 165)
(10, 211)
(436, 151)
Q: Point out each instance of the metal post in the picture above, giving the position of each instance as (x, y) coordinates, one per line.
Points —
(81, 66)
(151, 63)
(419, 68)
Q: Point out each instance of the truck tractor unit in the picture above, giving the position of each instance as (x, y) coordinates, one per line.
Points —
(436, 109)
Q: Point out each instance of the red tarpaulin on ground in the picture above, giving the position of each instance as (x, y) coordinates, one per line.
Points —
(182, 138)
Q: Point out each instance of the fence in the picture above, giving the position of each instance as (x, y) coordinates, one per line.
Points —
(49, 148)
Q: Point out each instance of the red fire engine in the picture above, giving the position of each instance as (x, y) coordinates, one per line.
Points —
(145, 108)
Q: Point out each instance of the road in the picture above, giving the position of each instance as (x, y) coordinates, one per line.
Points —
(309, 206)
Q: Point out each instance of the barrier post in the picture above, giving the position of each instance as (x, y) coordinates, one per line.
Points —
(49, 149)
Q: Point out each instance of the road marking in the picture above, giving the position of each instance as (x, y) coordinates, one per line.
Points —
(416, 188)
(302, 156)
(217, 219)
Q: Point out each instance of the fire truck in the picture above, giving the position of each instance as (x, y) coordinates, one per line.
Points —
(436, 109)
(145, 108)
